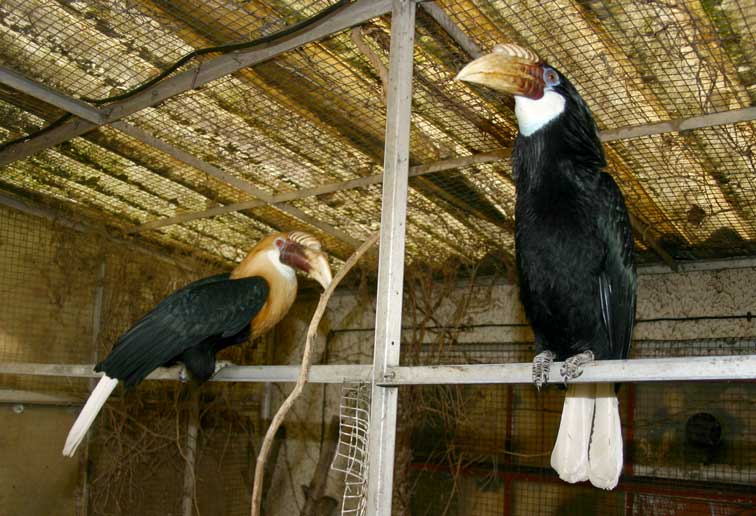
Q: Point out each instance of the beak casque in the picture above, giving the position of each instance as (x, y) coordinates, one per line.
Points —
(319, 270)
(304, 253)
(509, 69)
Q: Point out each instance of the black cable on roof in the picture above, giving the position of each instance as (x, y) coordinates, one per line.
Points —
(220, 49)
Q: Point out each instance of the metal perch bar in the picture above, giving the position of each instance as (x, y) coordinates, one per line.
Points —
(722, 368)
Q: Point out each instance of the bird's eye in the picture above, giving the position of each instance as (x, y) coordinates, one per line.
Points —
(550, 77)
(279, 242)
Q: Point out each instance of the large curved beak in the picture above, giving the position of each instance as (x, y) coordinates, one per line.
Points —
(509, 69)
(302, 251)
(319, 270)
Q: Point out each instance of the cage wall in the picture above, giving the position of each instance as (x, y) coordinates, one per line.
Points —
(485, 449)
(66, 296)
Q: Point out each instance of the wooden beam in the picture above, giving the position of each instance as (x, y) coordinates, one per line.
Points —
(353, 14)
(285, 374)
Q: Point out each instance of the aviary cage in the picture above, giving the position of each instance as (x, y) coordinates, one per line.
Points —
(119, 202)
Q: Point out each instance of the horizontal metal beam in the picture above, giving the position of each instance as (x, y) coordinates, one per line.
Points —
(732, 367)
(185, 263)
(701, 265)
(353, 14)
(35, 398)
(44, 93)
(255, 374)
(232, 180)
(683, 124)
(87, 112)
(737, 367)
(361, 182)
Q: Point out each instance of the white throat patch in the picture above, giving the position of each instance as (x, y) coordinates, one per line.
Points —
(534, 114)
(273, 256)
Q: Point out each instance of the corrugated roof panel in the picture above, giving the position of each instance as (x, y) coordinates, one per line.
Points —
(316, 116)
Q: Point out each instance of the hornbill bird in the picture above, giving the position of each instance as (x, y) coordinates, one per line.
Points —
(574, 253)
(195, 322)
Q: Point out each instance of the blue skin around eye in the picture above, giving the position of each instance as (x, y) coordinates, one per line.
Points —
(550, 72)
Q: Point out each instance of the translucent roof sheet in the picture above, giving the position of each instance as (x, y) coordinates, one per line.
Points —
(316, 116)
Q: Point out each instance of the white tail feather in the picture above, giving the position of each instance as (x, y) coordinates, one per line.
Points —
(570, 455)
(92, 407)
(606, 441)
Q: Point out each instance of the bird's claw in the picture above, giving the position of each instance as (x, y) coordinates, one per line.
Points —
(220, 364)
(184, 375)
(573, 367)
(541, 366)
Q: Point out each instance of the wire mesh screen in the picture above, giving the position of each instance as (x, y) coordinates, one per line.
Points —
(139, 454)
(69, 295)
(246, 124)
(486, 449)
(315, 116)
(351, 457)
(47, 281)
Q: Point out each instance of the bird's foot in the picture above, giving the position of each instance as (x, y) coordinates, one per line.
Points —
(220, 364)
(184, 375)
(572, 367)
(541, 365)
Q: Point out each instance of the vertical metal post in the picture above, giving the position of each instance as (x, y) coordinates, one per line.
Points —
(508, 446)
(96, 328)
(190, 454)
(630, 444)
(388, 323)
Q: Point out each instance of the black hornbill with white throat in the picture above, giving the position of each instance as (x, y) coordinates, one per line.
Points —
(574, 252)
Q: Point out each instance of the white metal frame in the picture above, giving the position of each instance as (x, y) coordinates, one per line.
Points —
(726, 367)
(388, 320)
(385, 375)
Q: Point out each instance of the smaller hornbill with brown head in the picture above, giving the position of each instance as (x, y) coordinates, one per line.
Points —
(195, 322)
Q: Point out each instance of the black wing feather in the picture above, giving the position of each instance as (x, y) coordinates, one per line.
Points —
(213, 307)
(617, 280)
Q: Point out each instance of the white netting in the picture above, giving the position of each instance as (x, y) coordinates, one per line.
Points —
(352, 453)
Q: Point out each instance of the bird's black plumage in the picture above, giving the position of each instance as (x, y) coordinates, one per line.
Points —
(574, 252)
(189, 325)
(574, 244)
